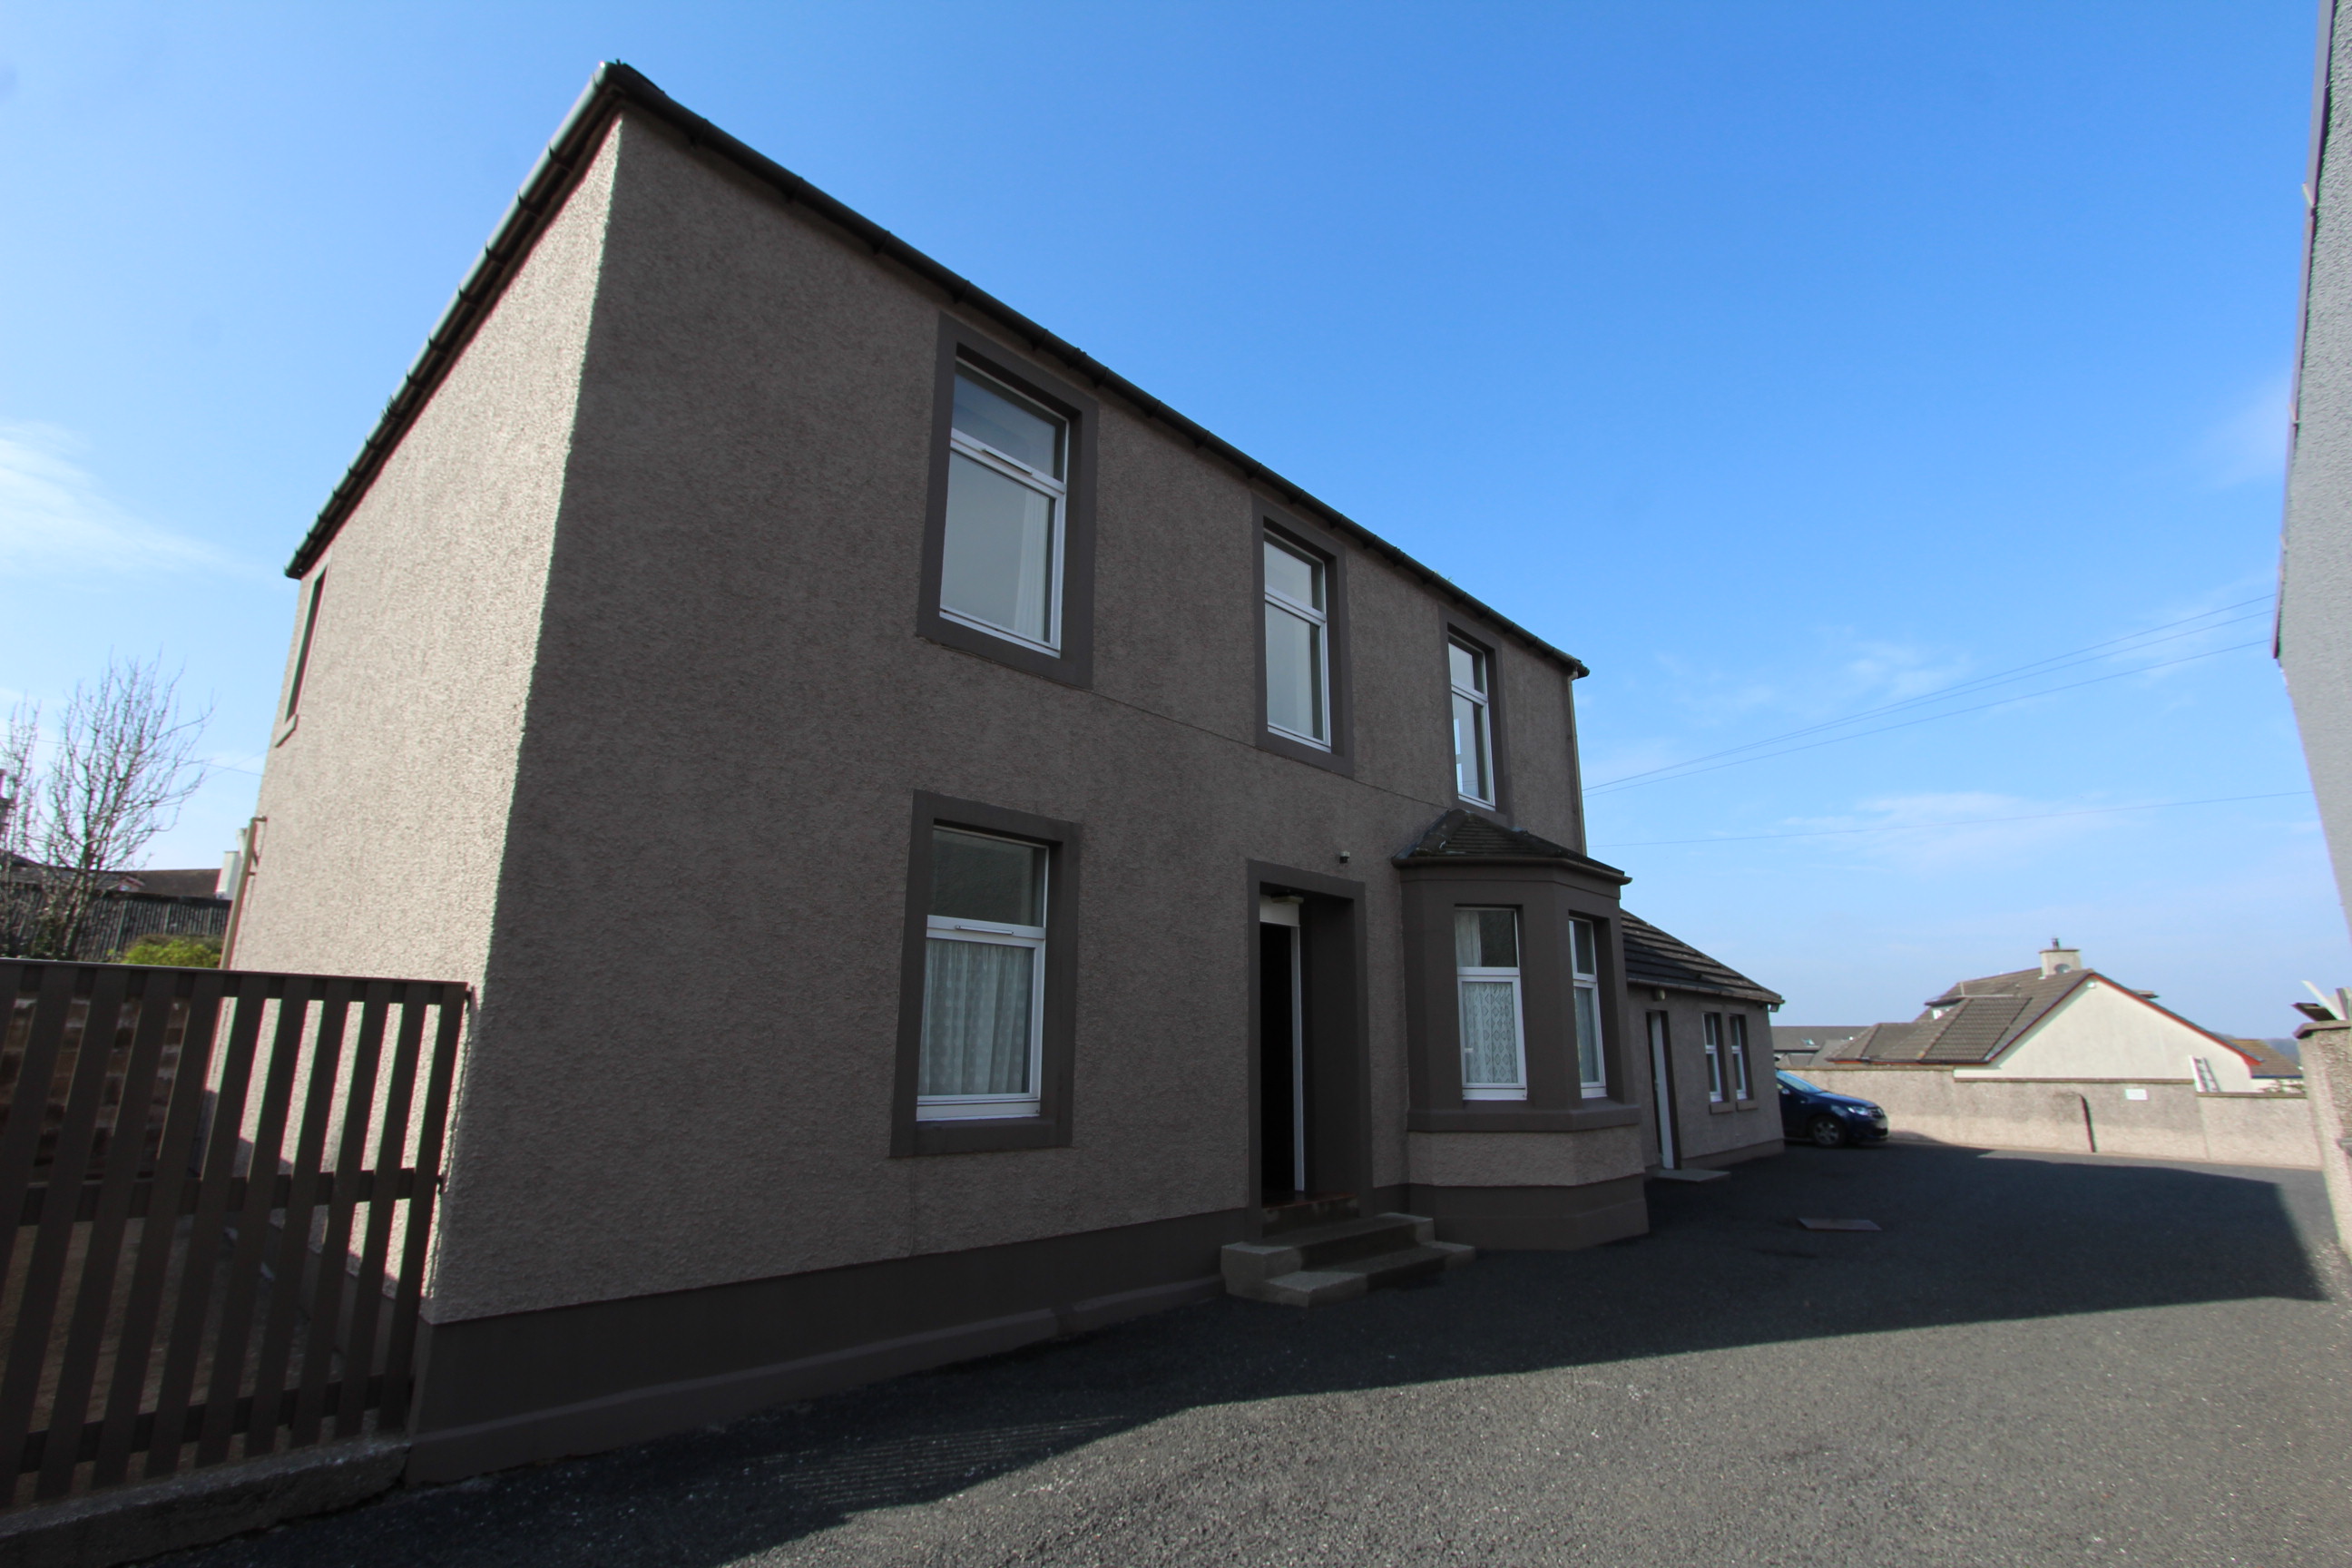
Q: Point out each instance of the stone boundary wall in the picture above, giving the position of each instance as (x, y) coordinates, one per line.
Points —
(2174, 1122)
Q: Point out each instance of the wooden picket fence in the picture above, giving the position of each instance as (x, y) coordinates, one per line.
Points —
(225, 1187)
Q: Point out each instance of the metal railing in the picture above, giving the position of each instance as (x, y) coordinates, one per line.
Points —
(225, 1186)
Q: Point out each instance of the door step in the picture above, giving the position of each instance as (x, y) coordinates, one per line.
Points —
(1688, 1174)
(1316, 1266)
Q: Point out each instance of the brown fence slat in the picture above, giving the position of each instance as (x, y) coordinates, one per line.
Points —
(400, 1357)
(231, 1344)
(273, 1397)
(160, 1201)
(29, 1347)
(52, 987)
(339, 1196)
(254, 1338)
(391, 1149)
(206, 1236)
(126, 1147)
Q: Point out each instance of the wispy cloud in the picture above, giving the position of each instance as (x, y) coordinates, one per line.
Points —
(2250, 442)
(1946, 830)
(57, 518)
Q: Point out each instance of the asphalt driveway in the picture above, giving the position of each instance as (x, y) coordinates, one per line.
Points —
(2040, 1359)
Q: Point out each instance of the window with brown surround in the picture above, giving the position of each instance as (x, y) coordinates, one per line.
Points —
(987, 1001)
(1499, 955)
(1304, 707)
(1474, 716)
(1008, 540)
(1741, 1088)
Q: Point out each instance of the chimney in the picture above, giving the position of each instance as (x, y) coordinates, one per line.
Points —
(2057, 960)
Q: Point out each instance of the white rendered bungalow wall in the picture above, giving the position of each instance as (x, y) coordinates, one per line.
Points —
(2102, 1032)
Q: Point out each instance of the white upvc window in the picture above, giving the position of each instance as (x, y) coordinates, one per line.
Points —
(1713, 1033)
(1738, 1026)
(2206, 1082)
(983, 978)
(1000, 555)
(1584, 984)
(1297, 645)
(1486, 976)
(1473, 731)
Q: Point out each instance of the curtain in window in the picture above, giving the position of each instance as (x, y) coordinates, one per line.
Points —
(976, 1002)
(1490, 1034)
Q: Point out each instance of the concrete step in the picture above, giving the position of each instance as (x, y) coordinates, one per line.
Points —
(1337, 1262)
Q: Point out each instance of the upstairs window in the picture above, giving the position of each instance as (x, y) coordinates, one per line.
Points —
(1584, 940)
(302, 651)
(983, 978)
(1738, 1023)
(1297, 645)
(1486, 976)
(1713, 1033)
(1474, 740)
(1002, 554)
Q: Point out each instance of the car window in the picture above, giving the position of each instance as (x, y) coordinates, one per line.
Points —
(1791, 1080)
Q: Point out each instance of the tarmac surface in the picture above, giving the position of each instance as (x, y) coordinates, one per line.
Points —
(2039, 1359)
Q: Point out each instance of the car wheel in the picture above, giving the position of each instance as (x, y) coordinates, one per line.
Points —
(1828, 1133)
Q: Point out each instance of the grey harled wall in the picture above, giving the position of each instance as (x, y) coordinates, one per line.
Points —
(729, 718)
(387, 803)
(2315, 598)
(2315, 570)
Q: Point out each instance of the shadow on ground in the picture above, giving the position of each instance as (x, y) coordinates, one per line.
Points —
(1968, 1236)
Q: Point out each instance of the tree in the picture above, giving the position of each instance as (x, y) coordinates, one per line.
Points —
(120, 764)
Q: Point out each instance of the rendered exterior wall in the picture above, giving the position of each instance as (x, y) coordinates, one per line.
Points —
(2173, 1122)
(2327, 1079)
(2100, 1032)
(387, 803)
(2316, 575)
(682, 878)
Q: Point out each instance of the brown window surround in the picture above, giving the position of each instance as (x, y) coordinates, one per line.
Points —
(1074, 665)
(1273, 522)
(1050, 1128)
(1497, 719)
(1546, 901)
(1731, 1101)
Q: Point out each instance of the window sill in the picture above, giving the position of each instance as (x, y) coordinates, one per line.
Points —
(1325, 757)
(1720, 1106)
(987, 1135)
(1491, 1117)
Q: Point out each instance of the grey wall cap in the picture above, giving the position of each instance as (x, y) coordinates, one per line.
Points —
(615, 87)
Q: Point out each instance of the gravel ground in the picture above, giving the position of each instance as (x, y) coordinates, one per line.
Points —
(2041, 1359)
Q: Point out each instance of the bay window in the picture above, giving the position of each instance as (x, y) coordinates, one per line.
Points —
(1486, 980)
(1584, 946)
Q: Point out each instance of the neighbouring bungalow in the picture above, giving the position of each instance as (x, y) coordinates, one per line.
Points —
(2061, 1056)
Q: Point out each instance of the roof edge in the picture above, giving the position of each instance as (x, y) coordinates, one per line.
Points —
(615, 86)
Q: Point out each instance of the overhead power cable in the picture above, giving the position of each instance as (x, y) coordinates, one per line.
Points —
(1964, 822)
(2049, 666)
(1687, 767)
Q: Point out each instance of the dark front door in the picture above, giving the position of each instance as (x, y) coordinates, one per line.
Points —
(1282, 1052)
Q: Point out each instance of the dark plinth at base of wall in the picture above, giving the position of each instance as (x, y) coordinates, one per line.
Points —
(1723, 1157)
(500, 1392)
(1529, 1219)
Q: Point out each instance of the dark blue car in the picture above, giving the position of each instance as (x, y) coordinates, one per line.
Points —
(1813, 1115)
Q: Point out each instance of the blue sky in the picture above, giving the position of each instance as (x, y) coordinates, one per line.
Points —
(1781, 360)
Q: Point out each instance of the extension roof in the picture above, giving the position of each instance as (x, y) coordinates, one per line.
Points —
(1466, 836)
(617, 87)
(1655, 958)
(1974, 1022)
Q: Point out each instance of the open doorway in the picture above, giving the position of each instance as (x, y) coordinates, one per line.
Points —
(1282, 1051)
(1311, 1141)
(1662, 1093)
